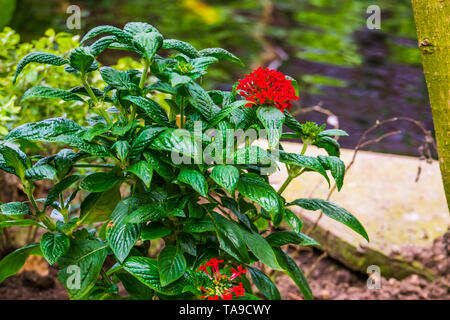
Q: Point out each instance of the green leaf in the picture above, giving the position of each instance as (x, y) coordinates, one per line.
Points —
(146, 213)
(336, 167)
(263, 194)
(201, 101)
(177, 141)
(81, 59)
(187, 243)
(101, 45)
(264, 284)
(40, 172)
(334, 212)
(134, 28)
(163, 169)
(20, 223)
(225, 111)
(231, 238)
(64, 184)
(121, 35)
(13, 262)
(273, 120)
(220, 53)
(99, 181)
(47, 92)
(148, 43)
(226, 176)
(333, 133)
(143, 170)
(199, 225)
(171, 265)
(40, 57)
(146, 270)
(134, 287)
(122, 149)
(117, 79)
(155, 230)
(144, 138)
(331, 146)
(54, 245)
(294, 222)
(13, 160)
(14, 209)
(152, 109)
(304, 161)
(98, 206)
(122, 236)
(261, 249)
(280, 238)
(293, 271)
(59, 130)
(176, 79)
(180, 46)
(81, 265)
(195, 179)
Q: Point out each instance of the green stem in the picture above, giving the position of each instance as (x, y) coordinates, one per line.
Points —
(144, 73)
(285, 184)
(305, 146)
(182, 113)
(105, 276)
(88, 88)
(88, 165)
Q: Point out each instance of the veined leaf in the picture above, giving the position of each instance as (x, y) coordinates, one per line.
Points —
(155, 230)
(195, 179)
(180, 46)
(226, 176)
(333, 133)
(146, 270)
(81, 59)
(99, 182)
(294, 222)
(15, 209)
(199, 225)
(231, 238)
(152, 109)
(336, 167)
(176, 141)
(40, 172)
(293, 271)
(13, 159)
(40, 57)
(98, 206)
(121, 35)
(273, 120)
(304, 161)
(143, 170)
(263, 194)
(117, 79)
(47, 92)
(144, 138)
(101, 45)
(264, 284)
(261, 249)
(225, 111)
(54, 245)
(134, 28)
(13, 262)
(220, 53)
(146, 213)
(60, 187)
(122, 236)
(280, 238)
(171, 265)
(334, 212)
(81, 265)
(20, 223)
(148, 43)
(331, 146)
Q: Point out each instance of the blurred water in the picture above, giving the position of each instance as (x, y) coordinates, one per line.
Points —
(360, 75)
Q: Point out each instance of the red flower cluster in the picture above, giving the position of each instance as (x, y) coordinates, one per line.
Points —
(265, 86)
(221, 284)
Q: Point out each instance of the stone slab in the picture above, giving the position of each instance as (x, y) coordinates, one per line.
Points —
(380, 190)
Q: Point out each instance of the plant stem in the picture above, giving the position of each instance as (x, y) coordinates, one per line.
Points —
(105, 276)
(144, 73)
(285, 184)
(305, 146)
(88, 165)
(88, 89)
(292, 175)
(182, 113)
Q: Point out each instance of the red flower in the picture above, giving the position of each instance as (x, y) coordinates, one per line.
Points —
(237, 273)
(239, 290)
(265, 86)
(221, 285)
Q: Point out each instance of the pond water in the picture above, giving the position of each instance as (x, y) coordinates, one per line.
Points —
(358, 74)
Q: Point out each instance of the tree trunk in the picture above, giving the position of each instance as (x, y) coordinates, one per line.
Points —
(433, 33)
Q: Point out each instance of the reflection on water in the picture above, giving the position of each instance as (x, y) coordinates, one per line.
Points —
(359, 75)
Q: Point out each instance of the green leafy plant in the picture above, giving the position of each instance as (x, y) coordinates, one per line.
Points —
(155, 164)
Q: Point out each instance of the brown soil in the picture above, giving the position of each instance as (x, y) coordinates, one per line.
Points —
(330, 280)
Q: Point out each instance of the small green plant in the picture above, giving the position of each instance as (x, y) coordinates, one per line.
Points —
(164, 160)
